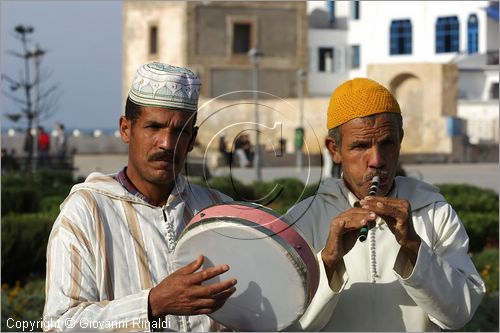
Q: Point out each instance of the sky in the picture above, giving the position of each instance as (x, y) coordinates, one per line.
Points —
(84, 44)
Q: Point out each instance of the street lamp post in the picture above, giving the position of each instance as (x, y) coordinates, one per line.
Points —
(255, 56)
(301, 74)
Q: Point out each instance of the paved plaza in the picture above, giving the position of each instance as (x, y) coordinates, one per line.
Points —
(484, 175)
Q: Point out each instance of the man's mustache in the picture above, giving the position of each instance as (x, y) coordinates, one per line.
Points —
(167, 156)
(380, 173)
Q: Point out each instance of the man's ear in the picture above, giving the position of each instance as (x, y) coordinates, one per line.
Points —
(125, 128)
(193, 138)
(333, 149)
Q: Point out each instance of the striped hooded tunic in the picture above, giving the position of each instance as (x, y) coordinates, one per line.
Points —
(108, 248)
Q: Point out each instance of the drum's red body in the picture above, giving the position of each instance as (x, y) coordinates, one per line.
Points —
(276, 269)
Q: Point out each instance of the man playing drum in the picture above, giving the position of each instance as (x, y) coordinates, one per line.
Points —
(413, 273)
(109, 257)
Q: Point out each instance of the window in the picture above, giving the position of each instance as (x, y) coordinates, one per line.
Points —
(241, 32)
(153, 40)
(400, 37)
(325, 59)
(494, 91)
(355, 9)
(472, 32)
(447, 29)
(241, 38)
(355, 56)
(331, 11)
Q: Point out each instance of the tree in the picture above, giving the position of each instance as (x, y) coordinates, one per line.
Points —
(36, 102)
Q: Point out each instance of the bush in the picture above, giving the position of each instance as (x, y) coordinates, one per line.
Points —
(44, 179)
(51, 204)
(22, 193)
(53, 182)
(24, 243)
(478, 210)
(16, 179)
(280, 194)
(482, 228)
(229, 186)
(20, 199)
(470, 198)
(486, 264)
(291, 193)
(23, 303)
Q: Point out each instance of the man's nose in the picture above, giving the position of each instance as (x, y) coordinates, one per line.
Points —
(165, 140)
(376, 158)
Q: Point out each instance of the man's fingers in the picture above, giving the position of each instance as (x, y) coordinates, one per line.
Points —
(395, 208)
(357, 220)
(222, 297)
(191, 267)
(210, 304)
(212, 290)
(208, 273)
(225, 294)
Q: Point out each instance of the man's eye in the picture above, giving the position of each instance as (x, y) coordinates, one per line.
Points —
(180, 131)
(360, 146)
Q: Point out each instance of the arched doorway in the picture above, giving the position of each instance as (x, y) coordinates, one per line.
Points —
(408, 90)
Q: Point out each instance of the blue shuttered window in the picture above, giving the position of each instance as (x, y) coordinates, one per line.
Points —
(400, 36)
(472, 34)
(355, 56)
(355, 9)
(447, 34)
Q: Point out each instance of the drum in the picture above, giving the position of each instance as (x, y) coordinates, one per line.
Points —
(276, 269)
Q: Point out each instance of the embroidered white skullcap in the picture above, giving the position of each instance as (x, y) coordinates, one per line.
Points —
(163, 85)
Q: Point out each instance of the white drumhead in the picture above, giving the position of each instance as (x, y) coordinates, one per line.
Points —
(270, 295)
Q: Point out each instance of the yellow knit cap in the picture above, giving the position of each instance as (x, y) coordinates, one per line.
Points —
(359, 98)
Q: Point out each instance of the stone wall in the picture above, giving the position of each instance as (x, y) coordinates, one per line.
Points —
(427, 94)
(278, 118)
(170, 19)
(279, 31)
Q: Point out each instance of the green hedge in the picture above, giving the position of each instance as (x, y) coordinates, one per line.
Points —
(51, 204)
(24, 243)
(478, 210)
(231, 187)
(24, 303)
(486, 316)
(279, 194)
(486, 264)
(22, 193)
(20, 199)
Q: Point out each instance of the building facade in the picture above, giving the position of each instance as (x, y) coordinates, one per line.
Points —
(214, 38)
(440, 60)
(408, 35)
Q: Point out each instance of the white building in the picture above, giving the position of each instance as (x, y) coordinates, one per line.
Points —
(347, 37)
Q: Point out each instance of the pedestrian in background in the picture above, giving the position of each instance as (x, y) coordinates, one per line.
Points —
(43, 147)
(61, 144)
